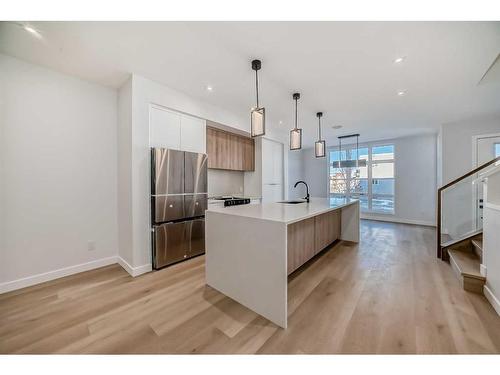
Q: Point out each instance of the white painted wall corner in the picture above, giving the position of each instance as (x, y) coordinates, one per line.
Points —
(134, 271)
(492, 299)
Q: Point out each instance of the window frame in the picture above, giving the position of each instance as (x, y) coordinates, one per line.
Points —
(369, 165)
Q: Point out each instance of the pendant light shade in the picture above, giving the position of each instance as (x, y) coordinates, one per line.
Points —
(349, 163)
(319, 145)
(257, 114)
(296, 133)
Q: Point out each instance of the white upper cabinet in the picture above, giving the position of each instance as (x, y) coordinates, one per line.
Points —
(177, 131)
(193, 134)
(164, 128)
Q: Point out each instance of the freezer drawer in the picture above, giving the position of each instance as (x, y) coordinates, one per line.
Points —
(196, 236)
(173, 242)
(167, 171)
(195, 173)
(195, 204)
(168, 208)
(169, 244)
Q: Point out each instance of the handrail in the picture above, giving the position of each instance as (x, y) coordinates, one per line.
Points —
(468, 174)
(441, 254)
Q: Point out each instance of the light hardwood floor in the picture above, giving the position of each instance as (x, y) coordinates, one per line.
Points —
(389, 294)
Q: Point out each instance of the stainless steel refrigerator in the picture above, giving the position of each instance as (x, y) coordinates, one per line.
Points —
(178, 203)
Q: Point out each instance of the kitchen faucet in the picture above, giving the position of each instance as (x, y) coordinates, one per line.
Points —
(307, 189)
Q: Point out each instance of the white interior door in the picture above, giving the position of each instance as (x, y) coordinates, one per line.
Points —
(272, 171)
(487, 148)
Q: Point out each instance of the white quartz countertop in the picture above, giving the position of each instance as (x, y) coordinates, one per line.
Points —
(283, 212)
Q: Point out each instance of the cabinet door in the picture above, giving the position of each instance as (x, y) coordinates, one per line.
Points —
(277, 163)
(326, 229)
(164, 128)
(300, 243)
(212, 147)
(267, 162)
(193, 134)
(248, 154)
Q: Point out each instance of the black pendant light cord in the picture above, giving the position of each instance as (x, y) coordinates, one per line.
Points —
(296, 113)
(257, 86)
(319, 114)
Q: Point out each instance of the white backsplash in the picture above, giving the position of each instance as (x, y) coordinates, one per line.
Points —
(221, 182)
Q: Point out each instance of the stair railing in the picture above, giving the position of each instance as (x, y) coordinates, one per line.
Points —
(460, 198)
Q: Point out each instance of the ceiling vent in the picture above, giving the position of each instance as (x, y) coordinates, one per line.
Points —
(492, 74)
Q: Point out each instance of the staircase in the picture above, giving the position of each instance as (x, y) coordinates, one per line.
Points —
(465, 259)
(460, 226)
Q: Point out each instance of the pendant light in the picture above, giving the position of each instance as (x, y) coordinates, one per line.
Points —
(349, 163)
(319, 145)
(296, 133)
(257, 114)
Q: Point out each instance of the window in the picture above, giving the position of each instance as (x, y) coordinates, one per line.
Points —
(373, 185)
(497, 150)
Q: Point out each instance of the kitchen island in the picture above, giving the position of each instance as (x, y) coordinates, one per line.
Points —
(251, 249)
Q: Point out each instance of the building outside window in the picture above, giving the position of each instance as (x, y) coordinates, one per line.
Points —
(373, 185)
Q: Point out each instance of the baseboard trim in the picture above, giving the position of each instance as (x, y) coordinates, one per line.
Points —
(134, 271)
(56, 274)
(393, 219)
(492, 299)
(482, 270)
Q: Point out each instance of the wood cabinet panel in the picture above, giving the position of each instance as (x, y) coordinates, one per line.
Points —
(308, 237)
(230, 151)
(326, 229)
(248, 154)
(300, 243)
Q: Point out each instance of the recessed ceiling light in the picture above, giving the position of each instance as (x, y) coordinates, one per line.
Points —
(399, 60)
(401, 92)
(336, 126)
(210, 88)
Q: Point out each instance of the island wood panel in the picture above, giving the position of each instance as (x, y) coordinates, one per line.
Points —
(326, 229)
(230, 151)
(300, 243)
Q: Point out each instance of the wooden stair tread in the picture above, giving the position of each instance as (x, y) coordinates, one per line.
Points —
(478, 243)
(467, 262)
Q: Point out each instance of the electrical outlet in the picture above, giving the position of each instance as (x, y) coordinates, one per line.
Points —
(241, 189)
(91, 245)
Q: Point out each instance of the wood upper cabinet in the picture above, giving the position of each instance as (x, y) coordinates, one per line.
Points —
(230, 151)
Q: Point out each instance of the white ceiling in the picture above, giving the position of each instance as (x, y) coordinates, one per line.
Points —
(344, 69)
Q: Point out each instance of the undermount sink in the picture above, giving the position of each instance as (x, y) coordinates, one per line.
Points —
(292, 202)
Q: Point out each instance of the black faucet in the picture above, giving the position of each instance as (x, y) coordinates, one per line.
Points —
(307, 189)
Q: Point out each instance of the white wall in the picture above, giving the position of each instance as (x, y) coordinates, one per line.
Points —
(415, 170)
(315, 173)
(222, 182)
(456, 144)
(491, 240)
(58, 174)
(124, 140)
(295, 173)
